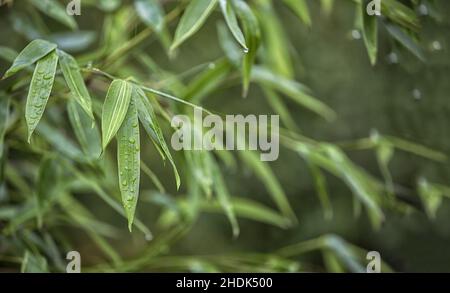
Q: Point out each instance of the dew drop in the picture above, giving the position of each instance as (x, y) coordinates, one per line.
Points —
(417, 94)
(356, 35)
(436, 46)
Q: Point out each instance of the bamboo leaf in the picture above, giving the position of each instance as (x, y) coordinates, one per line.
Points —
(232, 22)
(300, 8)
(34, 51)
(151, 13)
(129, 159)
(404, 39)
(4, 115)
(294, 90)
(222, 194)
(75, 81)
(32, 263)
(431, 197)
(47, 184)
(86, 132)
(252, 35)
(56, 11)
(193, 18)
(115, 109)
(267, 177)
(369, 27)
(40, 89)
(148, 119)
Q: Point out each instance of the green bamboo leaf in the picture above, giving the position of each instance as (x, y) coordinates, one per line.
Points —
(403, 38)
(148, 119)
(276, 42)
(86, 132)
(249, 209)
(55, 10)
(8, 54)
(369, 27)
(129, 159)
(115, 109)
(60, 142)
(280, 108)
(327, 6)
(40, 89)
(32, 263)
(207, 81)
(232, 22)
(293, 90)
(34, 51)
(47, 185)
(75, 81)
(268, 178)
(431, 197)
(322, 191)
(193, 18)
(300, 8)
(151, 13)
(252, 35)
(344, 252)
(232, 51)
(222, 194)
(4, 115)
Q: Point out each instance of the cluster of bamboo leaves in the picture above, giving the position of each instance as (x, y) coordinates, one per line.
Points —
(256, 51)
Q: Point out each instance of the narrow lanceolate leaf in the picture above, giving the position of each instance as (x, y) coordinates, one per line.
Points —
(293, 90)
(40, 89)
(128, 157)
(300, 8)
(222, 194)
(47, 185)
(56, 11)
(114, 109)
(148, 119)
(407, 41)
(193, 18)
(151, 13)
(30, 55)
(369, 27)
(231, 20)
(75, 81)
(4, 114)
(252, 35)
(33, 263)
(87, 134)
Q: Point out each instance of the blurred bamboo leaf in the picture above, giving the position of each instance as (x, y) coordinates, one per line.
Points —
(292, 89)
(300, 8)
(33, 263)
(193, 18)
(4, 116)
(369, 27)
(47, 185)
(407, 42)
(151, 13)
(85, 129)
(56, 11)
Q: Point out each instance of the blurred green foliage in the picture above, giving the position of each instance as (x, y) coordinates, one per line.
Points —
(360, 147)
